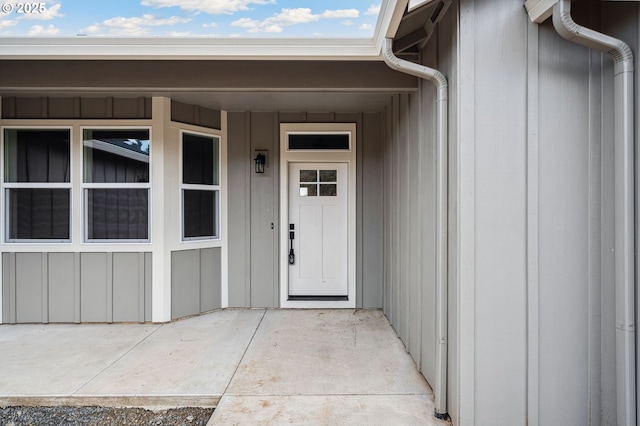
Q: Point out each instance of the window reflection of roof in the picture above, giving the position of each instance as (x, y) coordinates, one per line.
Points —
(135, 149)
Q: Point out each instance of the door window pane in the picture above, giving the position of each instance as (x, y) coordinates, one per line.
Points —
(308, 190)
(308, 175)
(328, 190)
(328, 176)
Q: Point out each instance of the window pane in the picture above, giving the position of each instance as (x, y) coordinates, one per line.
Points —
(38, 214)
(117, 214)
(328, 190)
(328, 176)
(319, 141)
(199, 160)
(199, 210)
(116, 156)
(308, 175)
(37, 155)
(308, 189)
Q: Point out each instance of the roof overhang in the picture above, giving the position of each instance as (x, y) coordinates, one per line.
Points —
(539, 10)
(391, 12)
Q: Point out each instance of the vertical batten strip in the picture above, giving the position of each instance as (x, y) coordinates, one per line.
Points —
(109, 283)
(533, 310)
(13, 315)
(76, 289)
(45, 287)
(141, 286)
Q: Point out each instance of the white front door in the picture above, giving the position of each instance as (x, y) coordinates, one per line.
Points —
(318, 230)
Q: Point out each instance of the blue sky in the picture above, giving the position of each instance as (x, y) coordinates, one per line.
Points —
(190, 18)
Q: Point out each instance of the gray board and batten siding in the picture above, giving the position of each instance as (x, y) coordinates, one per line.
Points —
(102, 108)
(195, 281)
(253, 200)
(254, 204)
(531, 262)
(70, 287)
(76, 287)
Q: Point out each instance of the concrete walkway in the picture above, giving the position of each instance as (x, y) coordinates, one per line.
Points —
(254, 366)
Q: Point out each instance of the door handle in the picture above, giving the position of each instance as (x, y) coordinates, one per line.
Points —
(292, 255)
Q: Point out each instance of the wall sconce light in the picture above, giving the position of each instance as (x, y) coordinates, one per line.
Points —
(261, 161)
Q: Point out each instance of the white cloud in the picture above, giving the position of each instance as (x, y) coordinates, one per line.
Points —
(211, 25)
(365, 27)
(213, 7)
(286, 17)
(51, 12)
(7, 24)
(343, 13)
(136, 26)
(39, 30)
(373, 10)
(347, 22)
(191, 34)
(92, 29)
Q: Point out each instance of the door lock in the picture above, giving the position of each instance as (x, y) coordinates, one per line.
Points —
(292, 255)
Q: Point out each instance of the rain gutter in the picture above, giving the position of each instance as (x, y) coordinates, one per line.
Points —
(624, 202)
(437, 78)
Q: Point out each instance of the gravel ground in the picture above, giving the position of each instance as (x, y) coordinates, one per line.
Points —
(103, 416)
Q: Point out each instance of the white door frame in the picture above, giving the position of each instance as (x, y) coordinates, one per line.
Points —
(333, 156)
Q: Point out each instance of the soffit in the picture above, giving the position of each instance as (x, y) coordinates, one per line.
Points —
(27, 75)
(417, 26)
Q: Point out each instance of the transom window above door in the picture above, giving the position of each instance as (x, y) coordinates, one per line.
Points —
(316, 182)
(319, 141)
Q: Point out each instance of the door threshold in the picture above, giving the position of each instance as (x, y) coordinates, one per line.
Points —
(321, 298)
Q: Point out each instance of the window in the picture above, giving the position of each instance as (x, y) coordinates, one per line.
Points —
(319, 141)
(116, 184)
(200, 188)
(37, 184)
(309, 183)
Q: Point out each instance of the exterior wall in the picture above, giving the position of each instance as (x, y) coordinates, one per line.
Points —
(254, 201)
(76, 287)
(195, 281)
(535, 161)
(112, 282)
(531, 298)
(75, 107)
(410, 213)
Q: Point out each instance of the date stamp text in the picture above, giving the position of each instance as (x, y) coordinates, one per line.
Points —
(23, 8)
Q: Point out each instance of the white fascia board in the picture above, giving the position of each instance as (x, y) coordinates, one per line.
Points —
(391, 12)
(191, 48)
(539, 10)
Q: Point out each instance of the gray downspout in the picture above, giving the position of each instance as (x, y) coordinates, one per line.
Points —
(624, 202)
(436, 77)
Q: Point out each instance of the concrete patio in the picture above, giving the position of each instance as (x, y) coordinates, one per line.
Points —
(254, 366)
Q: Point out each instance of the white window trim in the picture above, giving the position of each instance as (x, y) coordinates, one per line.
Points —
(84, 186)
(4, 214)
(216, 189)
